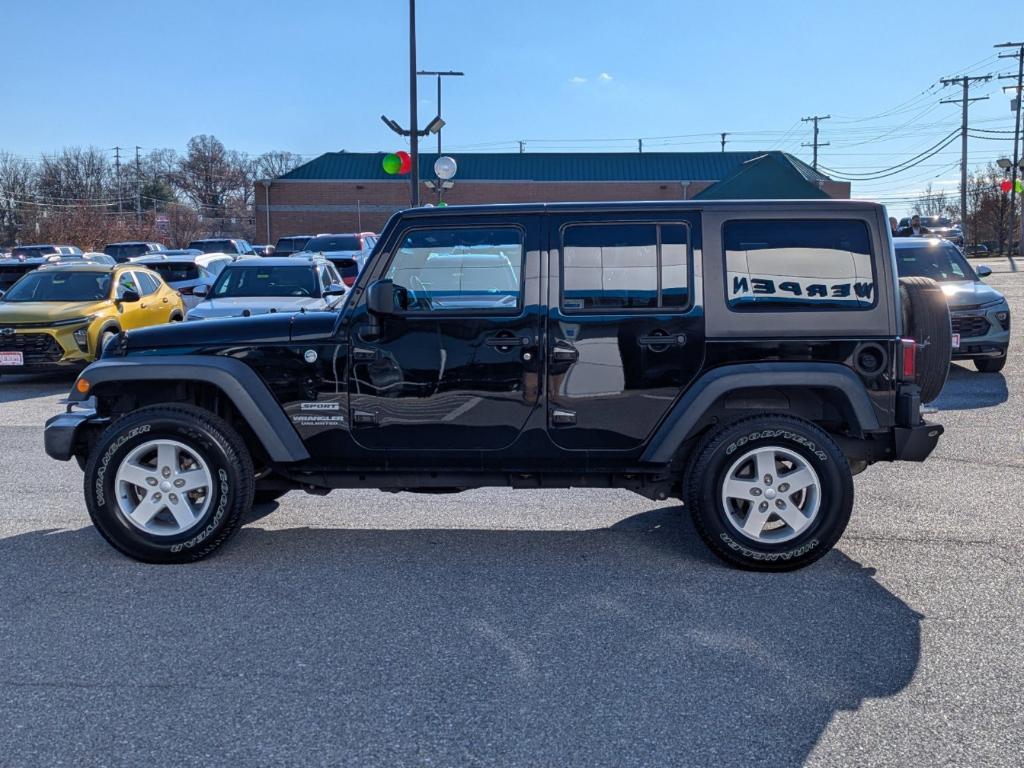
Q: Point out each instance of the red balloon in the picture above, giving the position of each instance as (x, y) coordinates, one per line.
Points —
(406, 161)
(1005, 186)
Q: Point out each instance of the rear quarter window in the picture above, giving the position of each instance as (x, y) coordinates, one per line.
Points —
(784, 264)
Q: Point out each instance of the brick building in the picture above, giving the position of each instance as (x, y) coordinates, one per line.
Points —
(349, 191)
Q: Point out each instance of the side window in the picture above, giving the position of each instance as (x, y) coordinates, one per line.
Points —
(333, 278)
(125, 283)
(625, 266)
(783, 264)
(459, 269)
(147, 283)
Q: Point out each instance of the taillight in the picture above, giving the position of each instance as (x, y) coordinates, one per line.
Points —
(349, 280)
(908, 359)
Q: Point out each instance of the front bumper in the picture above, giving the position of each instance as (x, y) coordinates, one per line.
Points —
(982, 334)
(63, 433)
(45, 349)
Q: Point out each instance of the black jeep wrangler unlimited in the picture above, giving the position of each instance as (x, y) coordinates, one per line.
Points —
(745, 357)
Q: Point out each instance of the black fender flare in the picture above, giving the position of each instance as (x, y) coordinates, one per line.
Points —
(246, 390)
(678, 426)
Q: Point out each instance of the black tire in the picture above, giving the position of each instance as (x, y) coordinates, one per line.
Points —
(990, 364)
(926, 320)
(105, 335)
(726, 445)
(202, 432)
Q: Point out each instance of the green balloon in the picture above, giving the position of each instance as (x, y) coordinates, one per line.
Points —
(442, 204)
(392, 164)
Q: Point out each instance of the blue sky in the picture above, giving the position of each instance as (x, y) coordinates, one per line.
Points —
(311, 77)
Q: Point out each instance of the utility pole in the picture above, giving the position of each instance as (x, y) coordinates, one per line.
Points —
(1019, 91)
(117, 175)
(815, 119)
(439, 76)
(640, 146)
(965, 83)
(723, 140)
(138, 185)
(414, 139)
(522, 147)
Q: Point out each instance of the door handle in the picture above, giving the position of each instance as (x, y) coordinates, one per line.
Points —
(508, 341)
(564, 352)
(675, 340)
(364, 418)
(363, 355)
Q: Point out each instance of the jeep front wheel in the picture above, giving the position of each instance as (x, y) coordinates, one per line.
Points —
(168, 484)
(769, 493)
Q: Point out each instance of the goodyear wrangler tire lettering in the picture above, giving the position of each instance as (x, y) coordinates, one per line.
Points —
(202, 432)
(755, 534)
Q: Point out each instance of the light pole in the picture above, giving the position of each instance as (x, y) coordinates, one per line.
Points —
(414, 143)
(439, 75)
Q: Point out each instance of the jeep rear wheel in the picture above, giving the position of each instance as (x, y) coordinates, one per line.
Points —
(168, 484)
(769, 493)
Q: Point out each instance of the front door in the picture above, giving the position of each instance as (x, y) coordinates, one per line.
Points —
(456, 366)
(626, 331)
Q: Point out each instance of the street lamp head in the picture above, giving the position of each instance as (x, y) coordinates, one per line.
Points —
(445, 167)
(1004, 163)
(435, 125)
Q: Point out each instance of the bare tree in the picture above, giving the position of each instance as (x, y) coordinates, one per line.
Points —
(17, 178)
(270, 165)
(933, 203)
(207, 175)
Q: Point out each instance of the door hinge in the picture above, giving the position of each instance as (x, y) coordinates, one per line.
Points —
(563, 418)
(364, 418)
(363, 355)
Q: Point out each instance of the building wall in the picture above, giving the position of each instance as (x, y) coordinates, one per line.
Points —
(312, 207)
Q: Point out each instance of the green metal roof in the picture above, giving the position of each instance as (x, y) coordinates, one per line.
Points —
(772, 175)
(552, 166)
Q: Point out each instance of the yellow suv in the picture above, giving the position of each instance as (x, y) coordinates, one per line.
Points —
(60, 316)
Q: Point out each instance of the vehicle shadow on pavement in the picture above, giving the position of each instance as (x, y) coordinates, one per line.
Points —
(620, 646)
(967, 389)
(30, 387)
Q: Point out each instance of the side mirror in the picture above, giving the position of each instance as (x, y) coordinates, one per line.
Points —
(201, 290)
(335, 290)
(380, 298)
(984, 271)
(130, 297)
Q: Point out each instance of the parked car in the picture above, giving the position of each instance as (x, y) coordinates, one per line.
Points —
(223, 245)
(259, 286)
(96, 257)
(979, 313)
(347, 252)
(35, 251)
(187, 271)
(60, 315)
(25, 259)
(263, 250)
(286, 246)
(747, 357)
(978, 250)
(122, 252)
(939, 226)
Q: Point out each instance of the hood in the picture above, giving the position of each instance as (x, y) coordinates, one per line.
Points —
(186, 337)
(47, 311)
(964, 294)
(237, 307)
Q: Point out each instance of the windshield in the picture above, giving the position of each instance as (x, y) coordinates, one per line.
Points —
(61, 286)
(295, 281)
(335, 243)
(31, 251)
(11, 273)
(291, 244)
(175, 272)
(214, 246)
(942, 262)
(121, 252)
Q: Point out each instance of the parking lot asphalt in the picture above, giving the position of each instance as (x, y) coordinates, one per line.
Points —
(525, 628)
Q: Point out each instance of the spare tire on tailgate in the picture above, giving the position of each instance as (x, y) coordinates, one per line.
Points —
(926, 321)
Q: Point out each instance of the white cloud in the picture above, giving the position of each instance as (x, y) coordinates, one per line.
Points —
(604, 76)
(577, 80)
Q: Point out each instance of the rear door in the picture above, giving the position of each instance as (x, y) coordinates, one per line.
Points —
(456, 367)
(626, 328)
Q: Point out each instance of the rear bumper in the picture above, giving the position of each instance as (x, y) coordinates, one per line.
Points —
(917, 443)
(62, 433)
